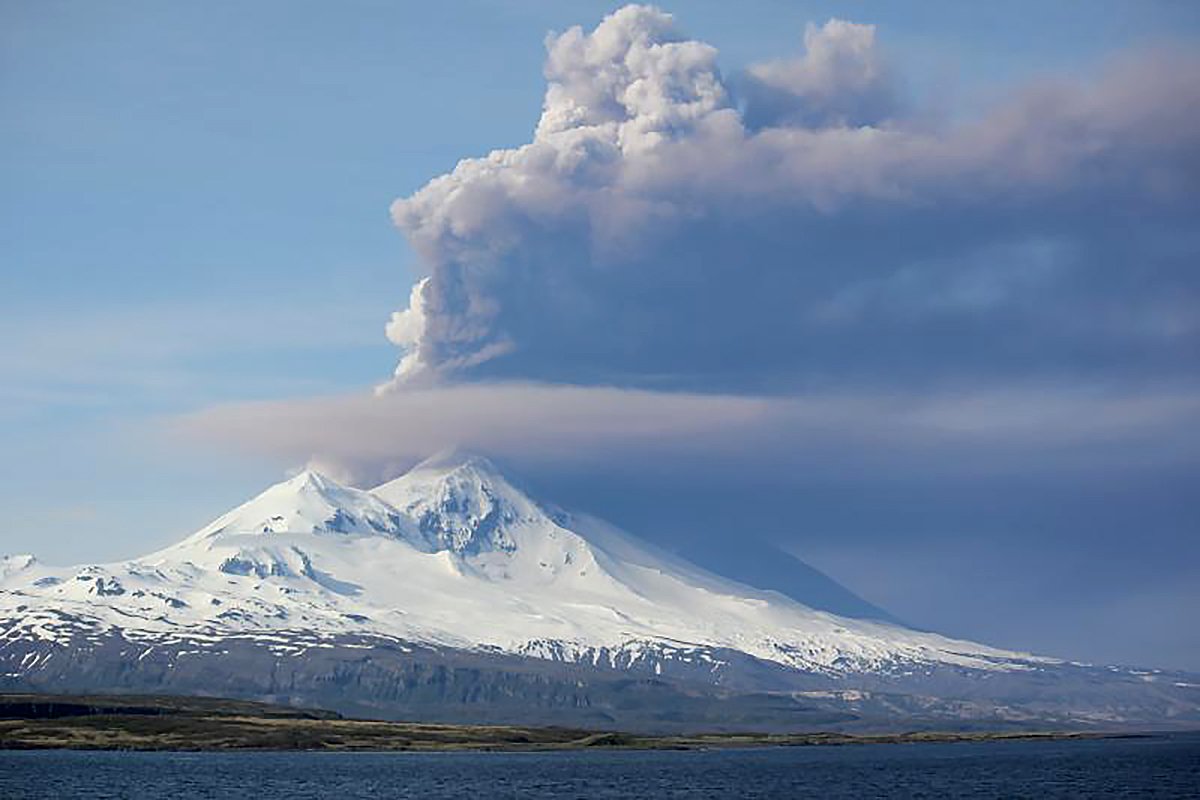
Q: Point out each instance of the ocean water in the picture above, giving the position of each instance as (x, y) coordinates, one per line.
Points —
(1166, 766)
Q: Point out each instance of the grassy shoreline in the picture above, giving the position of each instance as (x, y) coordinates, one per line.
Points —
(140, 723)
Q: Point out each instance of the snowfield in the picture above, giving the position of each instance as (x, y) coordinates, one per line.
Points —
(452, 554)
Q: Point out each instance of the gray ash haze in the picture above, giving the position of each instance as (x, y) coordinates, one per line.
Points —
(944, 347)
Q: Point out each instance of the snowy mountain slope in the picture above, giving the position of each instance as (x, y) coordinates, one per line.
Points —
(453, 556)
(308, 503)
(759, 562)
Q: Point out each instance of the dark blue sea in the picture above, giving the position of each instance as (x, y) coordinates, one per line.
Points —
(1152, 767)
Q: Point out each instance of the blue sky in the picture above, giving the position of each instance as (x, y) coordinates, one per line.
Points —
(196, 216)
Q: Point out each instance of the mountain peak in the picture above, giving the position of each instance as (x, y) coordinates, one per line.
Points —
(456, 459)
(308, 502)
(311, 478)
(461, 502)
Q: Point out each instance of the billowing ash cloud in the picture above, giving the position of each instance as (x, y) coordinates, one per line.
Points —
(840, 81)
(670, 227)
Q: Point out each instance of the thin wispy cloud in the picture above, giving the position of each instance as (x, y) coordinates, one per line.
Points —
(544, 427)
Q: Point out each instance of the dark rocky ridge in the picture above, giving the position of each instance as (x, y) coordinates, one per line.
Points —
(382, 678)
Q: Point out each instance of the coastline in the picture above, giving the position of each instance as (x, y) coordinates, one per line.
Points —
(139, 723)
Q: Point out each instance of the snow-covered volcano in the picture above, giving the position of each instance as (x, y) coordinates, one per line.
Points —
(453, 553)
(451, 556)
